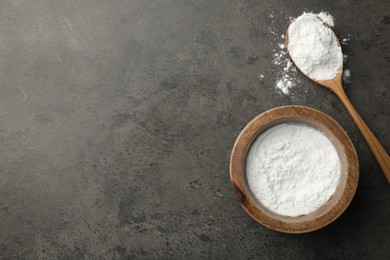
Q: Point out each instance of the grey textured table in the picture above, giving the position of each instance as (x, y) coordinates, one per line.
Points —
(117, 119)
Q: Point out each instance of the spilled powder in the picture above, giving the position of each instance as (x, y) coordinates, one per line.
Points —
(345, 41)
(287, 76)
(346, 75)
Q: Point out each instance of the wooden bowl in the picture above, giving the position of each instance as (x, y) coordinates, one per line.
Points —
(328, 212)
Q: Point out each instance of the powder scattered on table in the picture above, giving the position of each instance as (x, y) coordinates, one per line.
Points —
(287, 77)
(346, 76)
(293, 169)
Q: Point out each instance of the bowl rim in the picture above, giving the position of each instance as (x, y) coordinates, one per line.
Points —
(327, 213)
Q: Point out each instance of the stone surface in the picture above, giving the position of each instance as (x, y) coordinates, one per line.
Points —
(117, 119)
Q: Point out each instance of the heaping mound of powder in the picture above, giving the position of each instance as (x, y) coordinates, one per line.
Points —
(327, 18)
(314, 47)
(293, 169)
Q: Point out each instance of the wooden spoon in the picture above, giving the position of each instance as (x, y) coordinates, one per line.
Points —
(335, 85)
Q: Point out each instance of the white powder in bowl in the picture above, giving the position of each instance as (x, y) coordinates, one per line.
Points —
(293, 169)
(314, 47)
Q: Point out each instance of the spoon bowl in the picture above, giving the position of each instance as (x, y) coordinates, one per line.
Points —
(330, 83)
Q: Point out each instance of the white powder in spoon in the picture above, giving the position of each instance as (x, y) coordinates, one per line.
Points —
(293, 169)
(327, 18)
(314, 47)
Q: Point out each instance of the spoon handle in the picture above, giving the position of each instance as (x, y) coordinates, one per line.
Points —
(377, 149)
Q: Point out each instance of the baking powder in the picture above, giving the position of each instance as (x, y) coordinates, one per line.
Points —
(314, 47)
(293, 169)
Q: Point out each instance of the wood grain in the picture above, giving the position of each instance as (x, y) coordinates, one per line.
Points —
(377, 149)
(336, 204)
